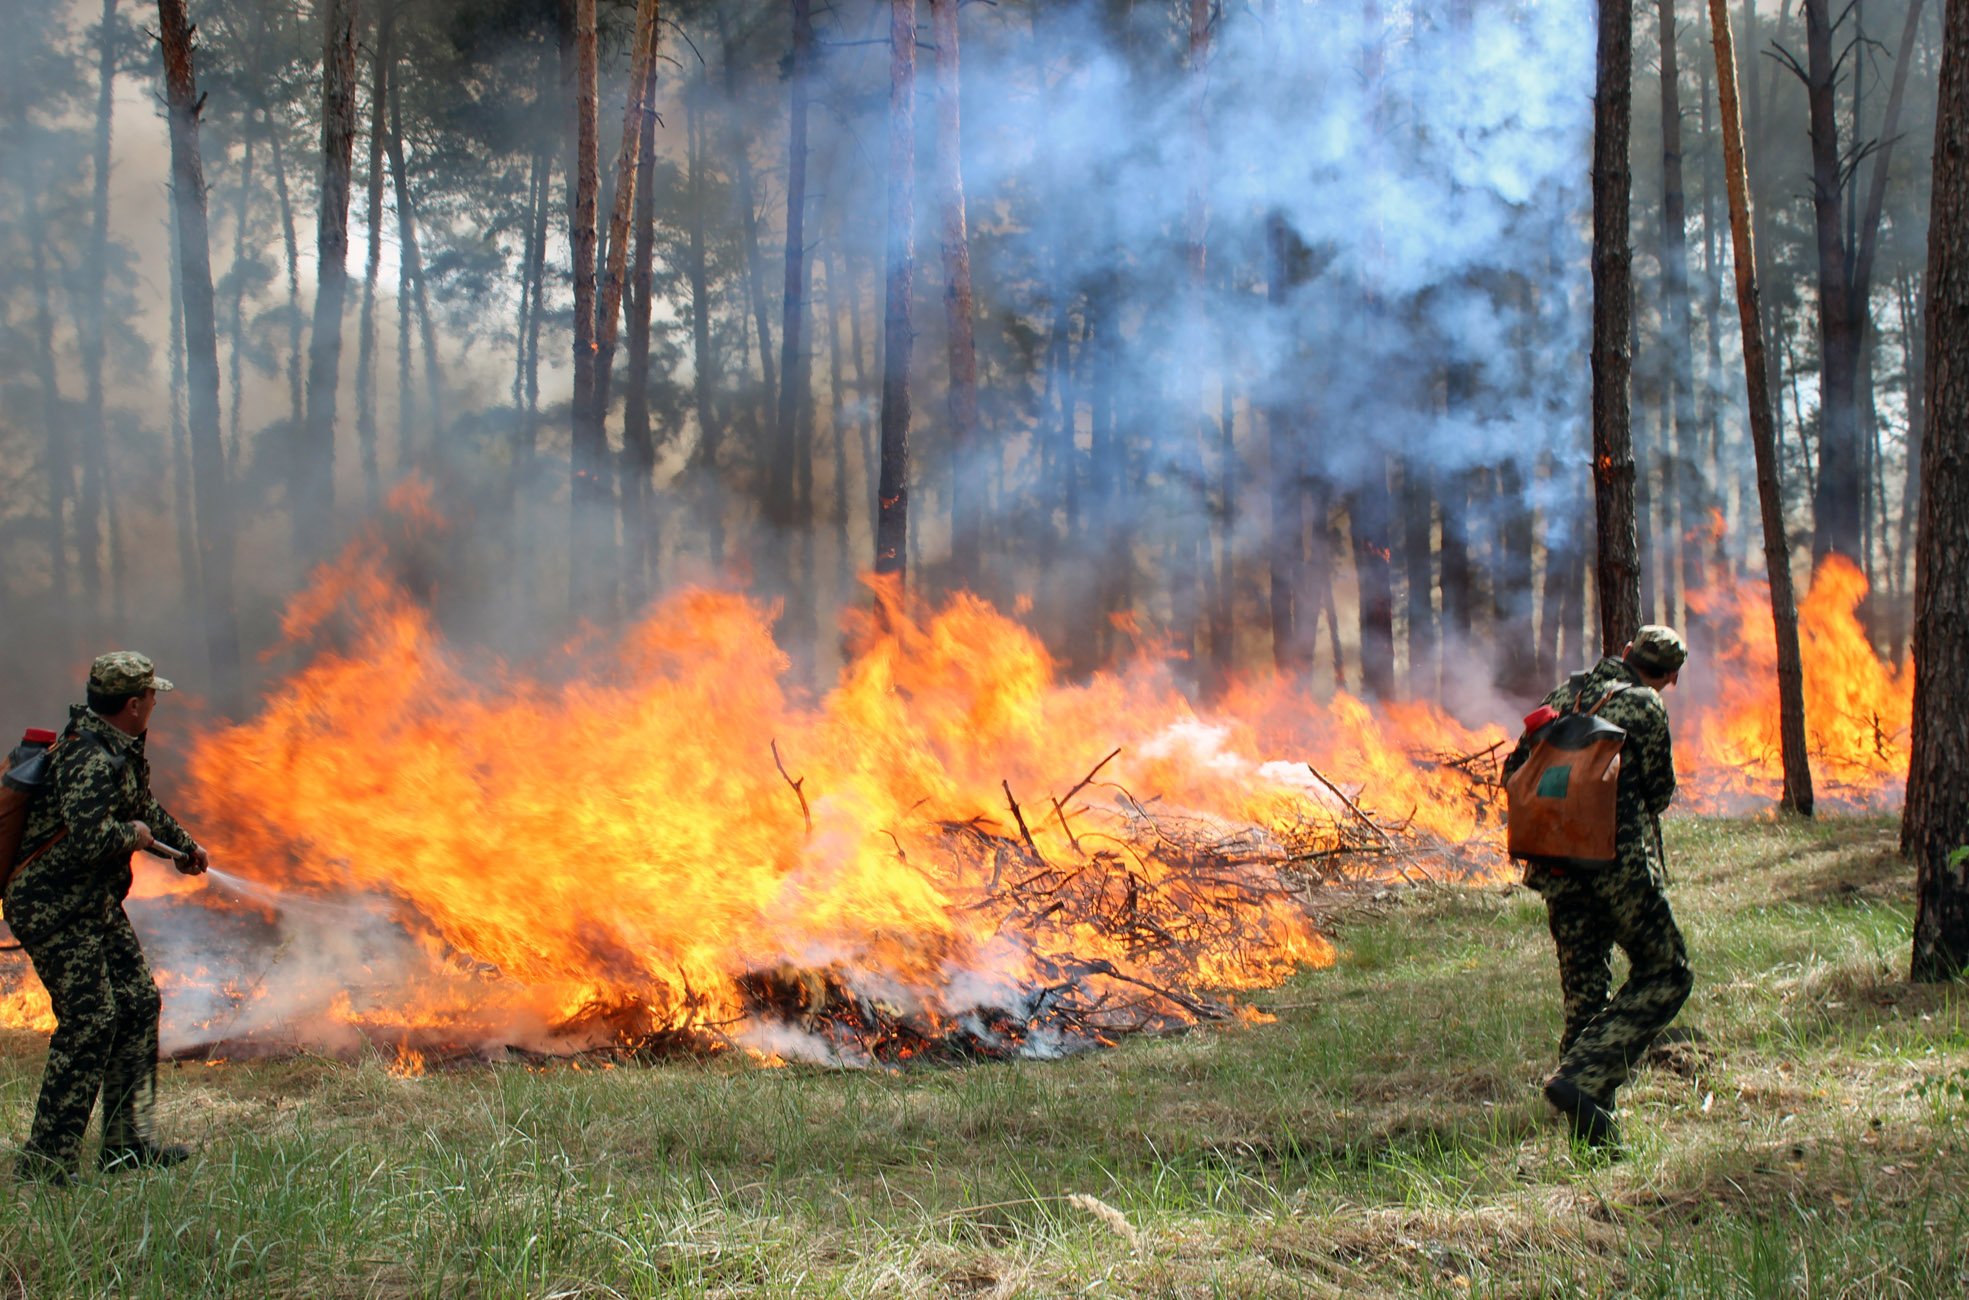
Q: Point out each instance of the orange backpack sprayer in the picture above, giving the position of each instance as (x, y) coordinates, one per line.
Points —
(1560, 805)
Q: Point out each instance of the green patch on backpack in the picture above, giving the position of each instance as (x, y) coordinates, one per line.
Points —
(1554, 783)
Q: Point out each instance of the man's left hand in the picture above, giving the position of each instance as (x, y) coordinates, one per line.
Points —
(196, 863)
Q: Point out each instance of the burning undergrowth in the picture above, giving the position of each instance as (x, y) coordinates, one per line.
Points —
(657, 845)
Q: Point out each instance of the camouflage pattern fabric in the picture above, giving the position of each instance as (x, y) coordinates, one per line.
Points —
(105, 1039)
(66, 909)
(100, 787)
(1592, 910)
(125, 672)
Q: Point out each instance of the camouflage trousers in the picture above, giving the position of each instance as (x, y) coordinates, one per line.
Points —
(1590, 912)
(105, 1040)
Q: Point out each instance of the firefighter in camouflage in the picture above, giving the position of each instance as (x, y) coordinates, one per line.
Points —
(1593, 909)
(66, 908)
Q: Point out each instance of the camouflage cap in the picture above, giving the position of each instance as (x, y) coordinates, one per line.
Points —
(1659, 650)
(124, 672)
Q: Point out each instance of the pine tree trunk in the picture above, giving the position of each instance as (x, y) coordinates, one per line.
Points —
(1713, 558)
(1935, 826)
(588, 459)
(1223, 595)
(214, 511)
(182, 511)
(704, 362)
(1418, 565)
(1917, 314)
(1516, 654)
(967, 488)
(1678, 318)
(1763, 434)
(837, 424)
(639, 524)
(1369, 513)
(738, 146)
(380, 60)
(1617, 571)
(1188, 601)
(783, 491)
(412, 275)
(54, 421)
(1286, 547)
(92, 505)
(1836, 498)
(311, 489)
(236, 311)
(892, 522)
(295, 355)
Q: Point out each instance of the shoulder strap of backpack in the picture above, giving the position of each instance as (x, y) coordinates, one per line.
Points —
(1612, 691)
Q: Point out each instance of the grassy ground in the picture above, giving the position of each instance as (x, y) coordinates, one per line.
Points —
(1384, 1137)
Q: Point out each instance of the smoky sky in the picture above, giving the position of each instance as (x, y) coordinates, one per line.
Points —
(1432, 172)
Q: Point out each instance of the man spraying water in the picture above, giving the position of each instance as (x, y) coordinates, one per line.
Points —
(65, 905)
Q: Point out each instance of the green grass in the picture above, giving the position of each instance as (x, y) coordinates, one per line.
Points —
(1383, 1137)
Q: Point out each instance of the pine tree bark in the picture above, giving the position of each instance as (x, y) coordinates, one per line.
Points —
(593, 558)
(91, 506)
(1935, 826)
(1679, 560)
(892, 521)
(1418, 565)
(412, 291)
(837, 424)
(782, 495)
(739, 147)
(1617, 570)
(1286, 546)
(1370, 512)
(1797, 795)
(311, 489)
(588, 461)
(608, 307)
(296, 356)
(182, 512)
(58, 456)
(967, 489)
(214, 500)
(380, 59)
(704, 361)
(242, 236)
(639, 524)
(1917, 314)
(1516, 670)
(1188, 601)
(1836, 499)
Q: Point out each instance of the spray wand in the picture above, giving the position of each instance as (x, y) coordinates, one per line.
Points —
(245, 888)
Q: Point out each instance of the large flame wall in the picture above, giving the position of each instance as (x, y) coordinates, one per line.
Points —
(617, 835)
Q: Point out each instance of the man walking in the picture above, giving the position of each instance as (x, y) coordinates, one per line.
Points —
(65, 905)
(1593, 908)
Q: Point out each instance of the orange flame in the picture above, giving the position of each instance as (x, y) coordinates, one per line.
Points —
(1858, 710)
(641, 840)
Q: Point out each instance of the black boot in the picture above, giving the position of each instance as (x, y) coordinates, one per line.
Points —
(1591, 1119)
(37, 1167)
(147, 1153)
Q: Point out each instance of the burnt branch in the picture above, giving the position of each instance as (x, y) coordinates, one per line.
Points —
(799, 792)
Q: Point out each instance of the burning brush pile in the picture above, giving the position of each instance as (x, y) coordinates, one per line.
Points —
(655, 845)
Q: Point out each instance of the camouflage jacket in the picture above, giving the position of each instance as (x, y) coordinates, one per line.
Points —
(96, 791)
(1647, 763)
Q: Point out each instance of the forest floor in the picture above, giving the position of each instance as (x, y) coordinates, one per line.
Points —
(1384, 1136)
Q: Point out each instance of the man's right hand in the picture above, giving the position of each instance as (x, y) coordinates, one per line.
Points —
(144, 838)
